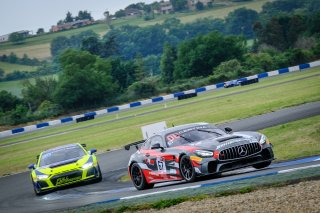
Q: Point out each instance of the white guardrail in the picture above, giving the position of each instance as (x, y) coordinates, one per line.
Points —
(149, 101)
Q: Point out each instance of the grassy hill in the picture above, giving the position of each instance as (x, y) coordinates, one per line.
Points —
(39, 46)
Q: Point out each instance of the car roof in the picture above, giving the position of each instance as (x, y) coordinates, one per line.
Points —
(61, 147)
(181, 127)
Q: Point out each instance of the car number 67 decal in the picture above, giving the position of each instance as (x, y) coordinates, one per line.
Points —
(161, 164)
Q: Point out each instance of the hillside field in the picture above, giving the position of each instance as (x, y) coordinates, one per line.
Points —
(9, 68)
(39, 46)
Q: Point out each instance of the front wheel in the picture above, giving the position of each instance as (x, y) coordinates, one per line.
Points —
(36, 190)
(186, 169)
(99, 179)
(261, 165)
(138, 179)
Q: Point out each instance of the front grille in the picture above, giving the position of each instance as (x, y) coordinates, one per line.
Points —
(66, 178)
(240, 151)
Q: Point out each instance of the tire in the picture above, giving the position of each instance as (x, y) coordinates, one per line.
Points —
(138, 178)
(36, 191)
(186, 169)
(261, 165)
(99, 179)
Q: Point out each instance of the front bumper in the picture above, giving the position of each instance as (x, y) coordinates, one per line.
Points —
(212, 166)
(67, 178)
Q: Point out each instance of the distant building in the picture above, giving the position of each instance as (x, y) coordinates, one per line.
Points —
(5, 38)
(132, 12)
(71, 25)
(165, 8)
(192, 3)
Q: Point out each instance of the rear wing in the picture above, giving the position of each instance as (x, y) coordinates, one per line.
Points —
(127, 147)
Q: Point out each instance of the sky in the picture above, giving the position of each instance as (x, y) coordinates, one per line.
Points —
(16, 15)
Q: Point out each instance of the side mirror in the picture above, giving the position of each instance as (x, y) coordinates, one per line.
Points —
(92, 151)
(228, 129)
(31, 166)
(157, 146)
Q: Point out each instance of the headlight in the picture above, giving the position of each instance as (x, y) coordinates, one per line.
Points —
(203, 153)
(41, 177)
(264, 140)
(87, 165)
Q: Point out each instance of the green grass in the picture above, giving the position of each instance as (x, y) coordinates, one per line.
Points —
(15, 87)
(39, 46)
(295, 139)
(116, 134)
(9, 68)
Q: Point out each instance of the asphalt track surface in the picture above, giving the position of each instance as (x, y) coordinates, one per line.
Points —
(16, 193)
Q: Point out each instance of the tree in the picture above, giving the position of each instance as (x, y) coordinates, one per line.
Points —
(83, 15)
(92, 45)
(35, 93)
(59, 44)
(8, 101)
(85, 80)
(143, 89)
(179, 5)
(40, 31)
(282, 31)
(139, 72)
(168, 58)
(199, 5)
(68, 18)
(241, 21)
(228, 70)
(13, 58)
(1, 73)
(198, 56)
(17, 38)
(120, 13)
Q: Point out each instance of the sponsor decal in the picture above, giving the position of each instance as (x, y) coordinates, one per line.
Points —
(64, 180)
(196, 158)
(161, 164)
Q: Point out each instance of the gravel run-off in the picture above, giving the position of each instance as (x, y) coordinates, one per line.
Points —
(301, 197)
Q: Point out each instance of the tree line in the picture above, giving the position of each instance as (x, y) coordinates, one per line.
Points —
(130, 63)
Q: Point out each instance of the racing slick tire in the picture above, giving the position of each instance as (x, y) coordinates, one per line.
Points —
(36, 191)
(138, 178)
(99, 179)
(261, 165)
(186, 169)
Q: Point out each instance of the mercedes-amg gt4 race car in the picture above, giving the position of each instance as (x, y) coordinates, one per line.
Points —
(187, 151)
(64, 165)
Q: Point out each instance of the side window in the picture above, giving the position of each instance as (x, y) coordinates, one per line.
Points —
(156, 139)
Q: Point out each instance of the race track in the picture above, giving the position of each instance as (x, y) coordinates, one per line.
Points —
(17, 193)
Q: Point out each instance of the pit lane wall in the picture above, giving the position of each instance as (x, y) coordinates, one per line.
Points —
(115, 109)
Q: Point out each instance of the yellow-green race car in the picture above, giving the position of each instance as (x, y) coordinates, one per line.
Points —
(64, 165)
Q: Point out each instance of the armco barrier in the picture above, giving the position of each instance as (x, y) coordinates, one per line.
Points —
(153, 100)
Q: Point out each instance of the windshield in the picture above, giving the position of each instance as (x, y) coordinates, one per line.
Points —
(60, 155)
(192, 135)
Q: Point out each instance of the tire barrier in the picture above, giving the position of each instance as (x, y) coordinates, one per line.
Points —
(186, 96)
(251, 81)
(92, 115)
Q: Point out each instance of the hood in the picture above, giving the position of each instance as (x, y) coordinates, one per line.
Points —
(223, 142)
(64, 166)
